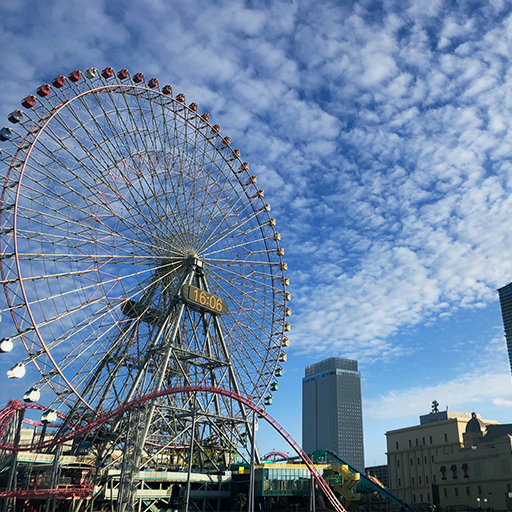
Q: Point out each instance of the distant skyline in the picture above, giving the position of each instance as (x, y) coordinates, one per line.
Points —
(381, 134)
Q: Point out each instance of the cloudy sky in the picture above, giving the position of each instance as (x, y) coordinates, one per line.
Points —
(380, 132)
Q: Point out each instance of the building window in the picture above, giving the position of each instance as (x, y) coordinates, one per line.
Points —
(425, 459)
(412, 480)
(428, 497)
(397, 445)
(419, 481)
(509, 489)
(446, 437)
(434, 478)
(399, 482)
(432, 458)
(479, 490)
(468, 491)
(430, 443)
(419, 461)
(410, 443)
(465, 470)
(412, 462)
(445, 492)
(456, 492)
(398, 463)
(443, 472)
(426, 479)
(453, 469)
(416, 441)
(421, 498)
(414, 498)
(423, 445)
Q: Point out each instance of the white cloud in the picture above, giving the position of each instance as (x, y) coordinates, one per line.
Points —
(382, 145)
(501, 402)
(461, 393)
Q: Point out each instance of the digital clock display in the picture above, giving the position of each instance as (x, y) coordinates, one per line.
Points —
(203, 299)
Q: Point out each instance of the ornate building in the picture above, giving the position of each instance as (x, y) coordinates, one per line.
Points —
(452, 458)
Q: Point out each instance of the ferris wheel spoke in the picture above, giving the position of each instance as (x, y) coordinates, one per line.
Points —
(201, 168)
(266, 279)
(241, 263)
(245, 322)
(71, 356)
(81, 164)
(96, 364)
(43, 170)
(63, 239)
(93, 287)
(244, 245)
(100, 315)
(107, 231)
(233, 229)
(111, 161)
(147, 149)
(252, 295)
(88, 214)
(81, 258)
(227, 214)
(245, 333)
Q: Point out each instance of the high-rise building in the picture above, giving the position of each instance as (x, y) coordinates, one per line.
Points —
(332, 416)
(506, 312)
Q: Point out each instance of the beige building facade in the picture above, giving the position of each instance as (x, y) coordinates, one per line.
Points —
(452, 459)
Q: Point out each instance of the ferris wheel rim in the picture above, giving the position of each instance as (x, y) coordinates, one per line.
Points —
(47, 120)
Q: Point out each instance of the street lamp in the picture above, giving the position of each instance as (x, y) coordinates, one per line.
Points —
(478, 502)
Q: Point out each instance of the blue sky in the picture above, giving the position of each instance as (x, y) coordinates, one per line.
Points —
(380, 132)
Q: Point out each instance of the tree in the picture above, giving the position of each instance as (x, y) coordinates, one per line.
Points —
(241, 500)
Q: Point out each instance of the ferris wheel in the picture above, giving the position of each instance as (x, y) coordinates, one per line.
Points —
(137, 253)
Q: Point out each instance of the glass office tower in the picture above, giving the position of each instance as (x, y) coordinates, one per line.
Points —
(506, 312)
(332, 416)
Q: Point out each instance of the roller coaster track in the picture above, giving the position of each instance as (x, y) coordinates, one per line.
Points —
(8, 413)
(281, 455)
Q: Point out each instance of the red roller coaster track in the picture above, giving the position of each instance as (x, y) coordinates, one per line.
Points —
(276, 455)
(7, 414)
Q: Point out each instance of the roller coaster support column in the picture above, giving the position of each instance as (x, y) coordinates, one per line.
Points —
(191, 452)
(132, 456)
(312, 505)
(253, 454)
(10, 503)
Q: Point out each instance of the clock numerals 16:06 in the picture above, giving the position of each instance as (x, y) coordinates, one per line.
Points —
(201, 298)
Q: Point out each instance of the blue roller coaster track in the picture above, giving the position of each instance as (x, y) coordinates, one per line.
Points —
(319, 455)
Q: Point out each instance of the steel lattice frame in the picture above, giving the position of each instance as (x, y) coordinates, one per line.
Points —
(116, 193)
(12, 407)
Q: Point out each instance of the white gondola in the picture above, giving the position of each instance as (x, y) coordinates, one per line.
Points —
(6, 345)
(16, 372)
(49, 416)
(32, 395)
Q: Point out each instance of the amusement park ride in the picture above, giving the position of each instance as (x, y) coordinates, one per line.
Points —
(146, 287)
